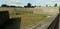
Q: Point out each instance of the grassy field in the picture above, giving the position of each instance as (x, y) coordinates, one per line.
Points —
(30, 16)
(29, 19)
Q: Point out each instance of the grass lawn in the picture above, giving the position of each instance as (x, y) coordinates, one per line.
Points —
(29, 19)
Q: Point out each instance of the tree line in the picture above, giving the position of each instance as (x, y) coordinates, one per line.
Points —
(28, 5)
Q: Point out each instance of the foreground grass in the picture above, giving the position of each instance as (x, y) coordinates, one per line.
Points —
(29, 19)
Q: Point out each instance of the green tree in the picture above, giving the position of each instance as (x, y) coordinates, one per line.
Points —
(55, 5)
(29, 5)
(40, 6)
(4, 5)
(46, 5)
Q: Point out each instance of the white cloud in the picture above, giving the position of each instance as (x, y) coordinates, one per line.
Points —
(24, 2)
(55, 0)
(48, 2)
(11, 1)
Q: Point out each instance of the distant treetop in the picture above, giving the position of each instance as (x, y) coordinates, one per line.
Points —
(4, 5)
(55, 5)
(29, 5)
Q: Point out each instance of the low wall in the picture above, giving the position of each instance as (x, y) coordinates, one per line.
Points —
(39, 10)
(10, 9)
(55, 23)
(13, 23)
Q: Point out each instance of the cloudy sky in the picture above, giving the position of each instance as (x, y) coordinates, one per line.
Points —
(33, 2)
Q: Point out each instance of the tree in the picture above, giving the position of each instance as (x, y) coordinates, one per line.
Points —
(4, 5)
(46, 5)
(39, 6)
(12, 6)
(55, 5)
(29, 5)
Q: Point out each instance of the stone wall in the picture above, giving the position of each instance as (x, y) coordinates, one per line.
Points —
(38, 10)
(10, 9)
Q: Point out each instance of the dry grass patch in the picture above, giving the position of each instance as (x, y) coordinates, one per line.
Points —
(29, 19)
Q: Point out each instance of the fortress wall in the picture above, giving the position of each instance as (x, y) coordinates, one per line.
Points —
(11, 10)
(37, 10)
(40, 10)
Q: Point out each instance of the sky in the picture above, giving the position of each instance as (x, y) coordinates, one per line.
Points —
(33, 2)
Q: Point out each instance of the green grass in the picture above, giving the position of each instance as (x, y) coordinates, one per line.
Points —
(23, 12)
(29, 19)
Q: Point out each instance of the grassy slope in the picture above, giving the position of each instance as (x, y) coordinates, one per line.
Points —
(29, 19)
